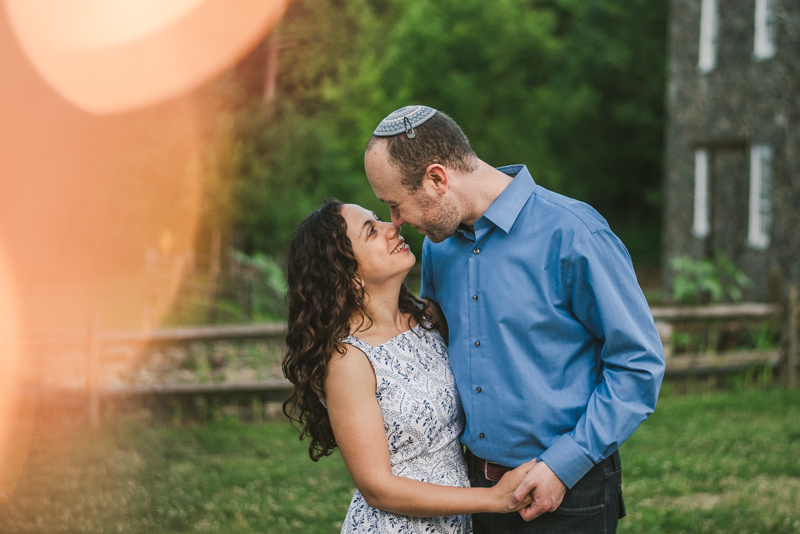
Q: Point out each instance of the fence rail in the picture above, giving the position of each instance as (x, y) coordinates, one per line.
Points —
(726, 362)
(731, 362)
(746, 310)
(277, 389)
(199, 333)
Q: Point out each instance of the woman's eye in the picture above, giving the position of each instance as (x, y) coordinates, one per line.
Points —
(372, 230)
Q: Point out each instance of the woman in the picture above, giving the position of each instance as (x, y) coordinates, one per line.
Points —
(370, 369)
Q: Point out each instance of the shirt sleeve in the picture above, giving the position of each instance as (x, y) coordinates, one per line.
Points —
(608, 302)
(427, 289)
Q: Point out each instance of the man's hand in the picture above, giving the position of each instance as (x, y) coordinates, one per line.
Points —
(544, 486)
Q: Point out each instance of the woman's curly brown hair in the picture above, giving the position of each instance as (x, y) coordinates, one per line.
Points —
(321, 301)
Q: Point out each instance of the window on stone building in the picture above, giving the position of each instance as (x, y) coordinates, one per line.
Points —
(764, 41)
(701, 225)
(760, 212)
(709, 24)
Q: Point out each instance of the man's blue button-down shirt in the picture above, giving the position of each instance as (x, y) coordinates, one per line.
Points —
(552, 343)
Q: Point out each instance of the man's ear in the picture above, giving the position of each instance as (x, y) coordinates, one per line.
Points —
(436, 177)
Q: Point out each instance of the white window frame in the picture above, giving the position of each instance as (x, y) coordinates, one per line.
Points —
(760, 205)
(701, 224)
(764, 36)
(709, 29)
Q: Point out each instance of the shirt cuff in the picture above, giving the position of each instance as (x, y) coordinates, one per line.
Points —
(566, 459)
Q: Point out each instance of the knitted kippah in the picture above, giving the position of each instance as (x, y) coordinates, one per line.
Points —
(404, 120)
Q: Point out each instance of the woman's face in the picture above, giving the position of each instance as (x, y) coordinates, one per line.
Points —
(381, 252)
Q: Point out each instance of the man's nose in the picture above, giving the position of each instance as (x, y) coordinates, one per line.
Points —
(396, 219)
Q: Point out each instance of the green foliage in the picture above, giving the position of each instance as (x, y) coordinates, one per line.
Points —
(308, 143)
(572, 89)
(491, 69)
(288, 164)
(766, 337)
(266, 286)
(688, 342)
(760, 377)
(694, 280)
(703, 281)
(271, 273)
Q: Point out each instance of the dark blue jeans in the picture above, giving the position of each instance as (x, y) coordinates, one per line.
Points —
(592, 506)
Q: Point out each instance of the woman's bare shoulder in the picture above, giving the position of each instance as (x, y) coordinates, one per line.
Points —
(348, 366)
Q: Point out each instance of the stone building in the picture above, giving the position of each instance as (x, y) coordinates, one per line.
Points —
(732, 161)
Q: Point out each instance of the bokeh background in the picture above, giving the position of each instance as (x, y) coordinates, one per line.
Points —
(156, 158)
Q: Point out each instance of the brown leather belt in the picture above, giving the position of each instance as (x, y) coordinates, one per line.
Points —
(490, 470)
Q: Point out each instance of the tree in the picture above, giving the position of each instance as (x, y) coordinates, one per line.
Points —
(307, 143)
(572, 88)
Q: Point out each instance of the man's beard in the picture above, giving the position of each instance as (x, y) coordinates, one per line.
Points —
(441, 219)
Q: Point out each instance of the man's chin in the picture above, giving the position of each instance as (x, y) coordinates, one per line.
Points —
(435, 238)
(424, 232)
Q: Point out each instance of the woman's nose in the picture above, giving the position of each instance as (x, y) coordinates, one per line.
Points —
(394, 231)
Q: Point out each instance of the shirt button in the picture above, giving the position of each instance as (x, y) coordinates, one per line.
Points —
(476, 251)
(474, 297)
(477, 343)
(481, 435)
(478, 389)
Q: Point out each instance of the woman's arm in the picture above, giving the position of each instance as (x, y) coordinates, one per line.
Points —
(358, 426)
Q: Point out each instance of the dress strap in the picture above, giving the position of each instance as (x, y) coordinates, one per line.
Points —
(357, 343)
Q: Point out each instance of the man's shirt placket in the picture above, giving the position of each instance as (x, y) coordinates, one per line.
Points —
(479, 343)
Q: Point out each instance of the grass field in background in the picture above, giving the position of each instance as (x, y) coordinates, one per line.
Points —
(718, 463)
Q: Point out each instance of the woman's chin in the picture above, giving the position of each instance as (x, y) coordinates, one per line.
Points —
(411, 263)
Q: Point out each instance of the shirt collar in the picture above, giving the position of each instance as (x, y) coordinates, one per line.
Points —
(505, 209)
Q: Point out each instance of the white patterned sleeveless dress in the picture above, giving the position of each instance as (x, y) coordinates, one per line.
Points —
(423, 419)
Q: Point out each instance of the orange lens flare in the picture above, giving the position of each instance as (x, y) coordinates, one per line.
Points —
(111, 56)
(10, 365)
(104, 155)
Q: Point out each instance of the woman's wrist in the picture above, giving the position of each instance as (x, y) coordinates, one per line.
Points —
(497, 502)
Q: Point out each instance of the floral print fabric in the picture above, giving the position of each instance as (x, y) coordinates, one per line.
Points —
(423, 419)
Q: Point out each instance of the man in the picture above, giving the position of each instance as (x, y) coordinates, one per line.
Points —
(552, 343)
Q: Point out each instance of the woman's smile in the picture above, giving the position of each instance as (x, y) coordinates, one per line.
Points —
(401, 247)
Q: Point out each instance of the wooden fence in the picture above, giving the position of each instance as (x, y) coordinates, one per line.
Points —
(183, 397)
(716, 362)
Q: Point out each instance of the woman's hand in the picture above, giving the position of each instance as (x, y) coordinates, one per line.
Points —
(506, 486)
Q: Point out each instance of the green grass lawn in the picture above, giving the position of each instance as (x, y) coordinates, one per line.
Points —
(723, 462)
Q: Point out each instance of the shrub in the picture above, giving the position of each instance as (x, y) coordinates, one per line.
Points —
(705, 281)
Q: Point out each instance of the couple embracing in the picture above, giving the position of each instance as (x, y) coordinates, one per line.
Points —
(497, 401)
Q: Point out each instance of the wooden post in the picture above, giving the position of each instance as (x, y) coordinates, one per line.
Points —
(93, 370)
(177, 412)
(272, 66)
(791, 353)
(258, 410)
(214, 273)
(274, 44)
